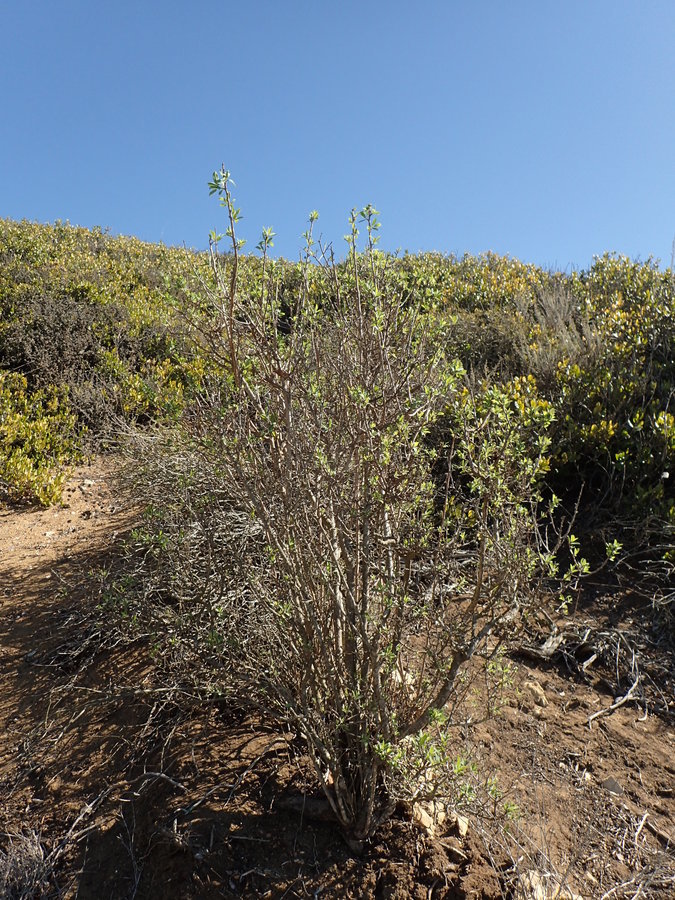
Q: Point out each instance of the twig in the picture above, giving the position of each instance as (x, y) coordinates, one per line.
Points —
(663, 837)
(148, 775)
(640, 827)
(617, 703)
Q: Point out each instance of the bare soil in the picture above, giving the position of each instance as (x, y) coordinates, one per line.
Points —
(111, 787)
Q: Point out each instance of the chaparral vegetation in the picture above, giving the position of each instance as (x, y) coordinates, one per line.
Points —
(364, 486)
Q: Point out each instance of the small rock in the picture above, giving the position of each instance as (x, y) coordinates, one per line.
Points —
(423, 818)
(533, 886)
(430, 816)
(461, 824)
(612, 785)
(536, 692)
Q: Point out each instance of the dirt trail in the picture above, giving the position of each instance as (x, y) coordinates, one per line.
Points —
(43, 553)
(134, 795)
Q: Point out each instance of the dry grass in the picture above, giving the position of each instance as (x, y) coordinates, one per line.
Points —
(24, 868)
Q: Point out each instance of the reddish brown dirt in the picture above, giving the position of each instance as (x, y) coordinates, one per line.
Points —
(134, 793)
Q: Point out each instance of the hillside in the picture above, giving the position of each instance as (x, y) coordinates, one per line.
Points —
(105, 328)
(351, 579)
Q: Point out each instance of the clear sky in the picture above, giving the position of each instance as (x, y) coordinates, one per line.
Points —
(540, 129)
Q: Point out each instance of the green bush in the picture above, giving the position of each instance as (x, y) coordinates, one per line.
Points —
(125, 328)
(93, 326)
(600, 347)
(613, 393)
(37, 441)
(98, 314)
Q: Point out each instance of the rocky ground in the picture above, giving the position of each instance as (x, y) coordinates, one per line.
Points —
(111, 787)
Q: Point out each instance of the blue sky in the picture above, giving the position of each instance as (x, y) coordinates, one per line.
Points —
(538, 129)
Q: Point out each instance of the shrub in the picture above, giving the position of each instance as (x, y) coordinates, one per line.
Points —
(615, 430)
(100, 316)
(349, 563)
(37, 441)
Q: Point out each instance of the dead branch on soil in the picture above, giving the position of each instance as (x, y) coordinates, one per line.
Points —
(606, 838)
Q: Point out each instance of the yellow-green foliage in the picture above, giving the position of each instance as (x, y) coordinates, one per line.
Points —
(615, 397)
(96, 266)
(487, 281)
(127, 295)
(37, 440)
(91, 328)
(598, 346)
(117, 323)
